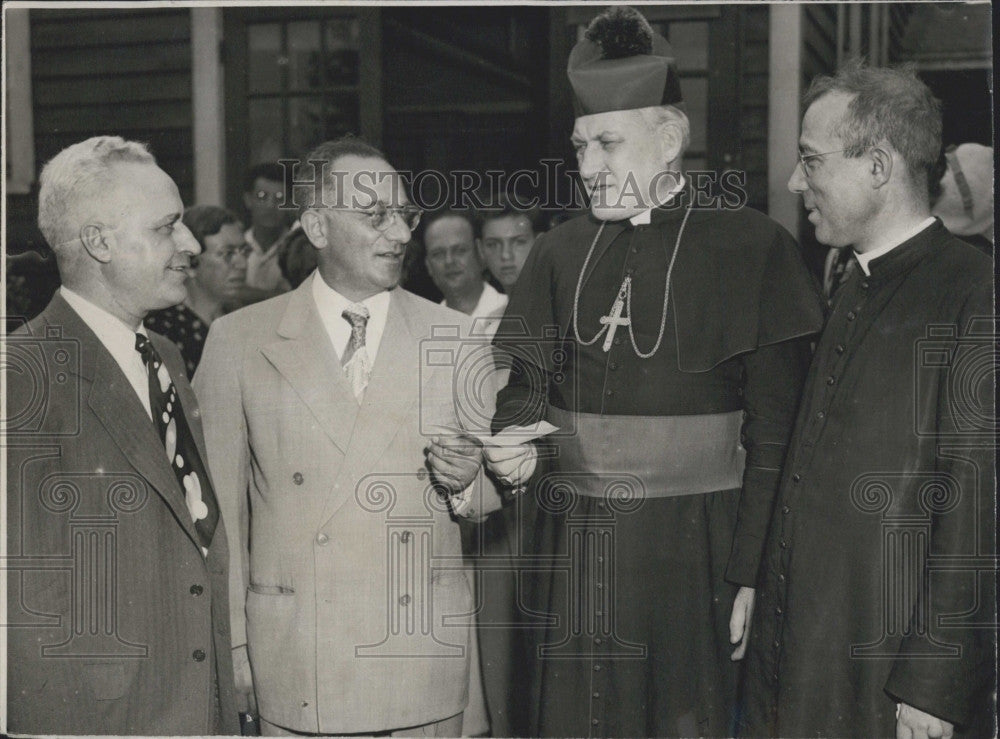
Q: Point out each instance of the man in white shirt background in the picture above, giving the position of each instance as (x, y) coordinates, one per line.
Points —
(107, 477)
(455, 267)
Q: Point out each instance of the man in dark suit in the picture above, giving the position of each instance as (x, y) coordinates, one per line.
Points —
(117, 596)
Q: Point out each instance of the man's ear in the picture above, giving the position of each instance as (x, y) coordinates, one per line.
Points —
(479, 250)
(671, 139)
(314, 226)
(98, 240)
(248, 200)
(881, 166)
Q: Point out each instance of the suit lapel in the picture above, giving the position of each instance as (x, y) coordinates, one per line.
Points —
(307, 361)
(387, 404)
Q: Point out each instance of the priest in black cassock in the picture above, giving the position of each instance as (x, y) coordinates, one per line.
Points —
(876, 611)
(669, 343)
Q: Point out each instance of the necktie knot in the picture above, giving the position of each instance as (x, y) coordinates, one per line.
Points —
(357, 315)
(355, 358)
(147, 351)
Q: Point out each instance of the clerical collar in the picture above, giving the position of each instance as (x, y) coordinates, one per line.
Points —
(868, 256)
(644, 218)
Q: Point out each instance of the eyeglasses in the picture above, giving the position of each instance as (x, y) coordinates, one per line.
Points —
(380, 215)
(228, 254)
(264, 196)
(806, 160)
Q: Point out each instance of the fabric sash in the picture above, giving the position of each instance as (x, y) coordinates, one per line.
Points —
(651, 456)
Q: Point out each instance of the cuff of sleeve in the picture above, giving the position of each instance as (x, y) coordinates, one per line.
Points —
(461, 503)
(744, 562)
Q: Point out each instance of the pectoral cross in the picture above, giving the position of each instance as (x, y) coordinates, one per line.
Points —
(614, 319)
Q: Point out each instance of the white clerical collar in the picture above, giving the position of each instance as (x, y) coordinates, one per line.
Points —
(868, 256)
(644, 218)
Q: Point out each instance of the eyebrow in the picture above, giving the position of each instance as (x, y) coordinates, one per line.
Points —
(168, 220)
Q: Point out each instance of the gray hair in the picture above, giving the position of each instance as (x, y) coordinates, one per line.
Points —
(660, 115)
(76, 175)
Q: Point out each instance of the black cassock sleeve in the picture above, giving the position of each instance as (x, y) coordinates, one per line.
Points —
(773, 379)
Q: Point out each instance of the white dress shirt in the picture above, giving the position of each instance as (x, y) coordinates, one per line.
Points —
(868, 256)
(118, 339)
(489, 310)
(331, 306)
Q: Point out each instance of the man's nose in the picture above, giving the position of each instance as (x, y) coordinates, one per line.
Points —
(797, 183)
(590, 162)
(398, 231)
(186, 242)
(506, 252)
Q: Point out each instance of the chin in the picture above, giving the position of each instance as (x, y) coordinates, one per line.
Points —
(613, 214)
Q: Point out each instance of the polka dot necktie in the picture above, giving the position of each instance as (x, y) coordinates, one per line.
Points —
(356, 363)
(168, 415)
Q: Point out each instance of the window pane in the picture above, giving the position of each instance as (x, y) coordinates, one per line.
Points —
(305, 124)
(264, 57)
(342, 41)
(313, 120)
(305, 70)
(265, 131)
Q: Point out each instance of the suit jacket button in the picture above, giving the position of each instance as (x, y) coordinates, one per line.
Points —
(404, 600)
(197, 590)
(198, 655)
(297, 478)
(322, 540)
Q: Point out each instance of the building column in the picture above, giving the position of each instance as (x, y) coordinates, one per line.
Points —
(208, 107)
(783, 117)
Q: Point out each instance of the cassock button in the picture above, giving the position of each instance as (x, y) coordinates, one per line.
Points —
(865, 284)
(786, 510)
(613, 366)
(839, 349)
(609, 393)
(781, 578)
(198, 655)
(796, 477)
(297, 478)
(831, 380)
(820, 415)
(197, 589)
(597, 668)
(596, 694)
(851, 315)
(778, 611)
(594, 722)
(776, 644)
(783, 544)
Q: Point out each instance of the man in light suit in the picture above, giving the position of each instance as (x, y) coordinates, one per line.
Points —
(118, 560)
(339, 440)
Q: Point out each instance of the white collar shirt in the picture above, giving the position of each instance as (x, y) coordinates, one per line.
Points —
(645, 218)
(118, 339)
(330, 304)
(868, 256)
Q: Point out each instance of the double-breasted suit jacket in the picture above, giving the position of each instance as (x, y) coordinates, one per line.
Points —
(358, 610)
(116, 619)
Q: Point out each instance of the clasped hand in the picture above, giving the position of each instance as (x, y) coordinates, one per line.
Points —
(454, 461)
